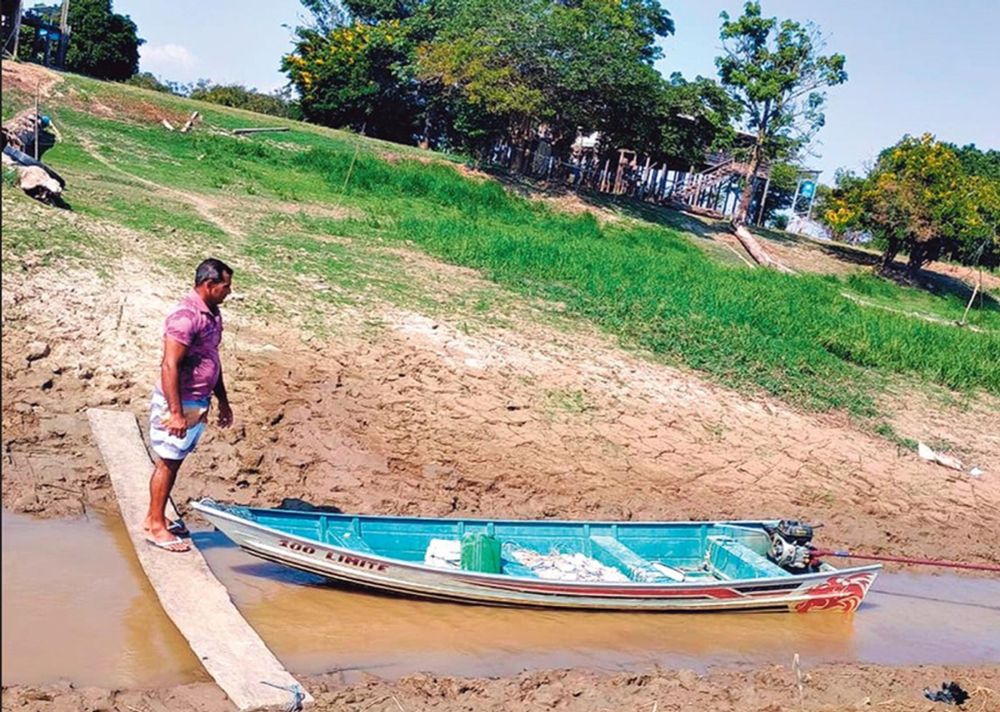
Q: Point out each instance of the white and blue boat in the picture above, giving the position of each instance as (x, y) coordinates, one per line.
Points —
(765, 565)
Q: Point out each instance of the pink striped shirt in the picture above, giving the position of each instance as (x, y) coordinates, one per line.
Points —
(198, 327)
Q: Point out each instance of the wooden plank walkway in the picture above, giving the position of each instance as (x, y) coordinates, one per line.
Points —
(195, 600)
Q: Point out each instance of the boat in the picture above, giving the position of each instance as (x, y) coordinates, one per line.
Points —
(634, 566)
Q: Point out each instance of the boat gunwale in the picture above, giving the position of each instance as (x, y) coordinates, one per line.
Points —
(576, 602)
(638, 586)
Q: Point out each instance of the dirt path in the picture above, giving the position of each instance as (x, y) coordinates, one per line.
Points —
(205, 207)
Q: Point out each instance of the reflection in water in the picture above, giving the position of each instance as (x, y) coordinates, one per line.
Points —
(77, 606)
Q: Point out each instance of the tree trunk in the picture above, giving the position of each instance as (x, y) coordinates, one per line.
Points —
(919, 256)
(738, 224)
(891, 250)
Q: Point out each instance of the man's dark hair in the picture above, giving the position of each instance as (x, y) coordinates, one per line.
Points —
(211, 270)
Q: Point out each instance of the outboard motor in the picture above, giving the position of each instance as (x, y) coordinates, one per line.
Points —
(790, 548)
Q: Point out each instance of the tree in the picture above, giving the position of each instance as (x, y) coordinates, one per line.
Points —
(103, 44)
(977, 162)
(148, 80)
(919, 198)
(356, 75)
(776, 73)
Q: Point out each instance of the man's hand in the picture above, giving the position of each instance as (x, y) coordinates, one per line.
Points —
(177, 425)
(225, 415)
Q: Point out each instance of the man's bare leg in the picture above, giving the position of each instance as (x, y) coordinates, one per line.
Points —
(160, 485)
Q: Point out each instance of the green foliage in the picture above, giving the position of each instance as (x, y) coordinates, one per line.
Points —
(239, 97)
(978, 163)
(463, 73)
(694, 117)
(584, 65)
(776, 73)
(104, 44)
(920, 198)
(356, 76)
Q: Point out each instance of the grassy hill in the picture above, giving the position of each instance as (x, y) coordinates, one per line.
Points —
(316, 220)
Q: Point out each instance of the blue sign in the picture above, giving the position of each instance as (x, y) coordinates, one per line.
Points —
(807, 188)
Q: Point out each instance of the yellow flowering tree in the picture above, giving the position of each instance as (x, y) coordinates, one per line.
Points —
(919, 199)
(356, 75)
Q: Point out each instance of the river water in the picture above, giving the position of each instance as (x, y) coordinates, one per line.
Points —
(77, 607)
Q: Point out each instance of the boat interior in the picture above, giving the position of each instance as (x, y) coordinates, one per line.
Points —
(642, 552)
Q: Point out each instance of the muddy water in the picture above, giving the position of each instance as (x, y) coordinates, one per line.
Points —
(75, 606)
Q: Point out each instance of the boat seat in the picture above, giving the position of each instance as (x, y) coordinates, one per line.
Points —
(611, 552)
(733, 560)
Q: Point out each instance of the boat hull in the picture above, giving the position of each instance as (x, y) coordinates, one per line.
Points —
(827, 590)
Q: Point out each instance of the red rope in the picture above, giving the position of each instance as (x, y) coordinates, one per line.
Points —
(907, 560)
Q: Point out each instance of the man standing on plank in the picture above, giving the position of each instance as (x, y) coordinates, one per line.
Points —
(191, 372)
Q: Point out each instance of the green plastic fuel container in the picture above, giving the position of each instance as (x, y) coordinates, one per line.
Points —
(481, 552)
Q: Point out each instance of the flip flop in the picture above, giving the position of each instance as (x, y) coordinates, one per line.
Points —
(166, 545)
(178, 528)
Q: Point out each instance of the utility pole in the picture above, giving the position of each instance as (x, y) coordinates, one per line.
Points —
(17, 26)
(64, 31)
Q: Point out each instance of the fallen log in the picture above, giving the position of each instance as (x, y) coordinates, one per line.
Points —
(759, 254)
(259, 130)
(190, 122)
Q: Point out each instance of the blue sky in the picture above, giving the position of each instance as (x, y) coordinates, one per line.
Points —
(914, 65)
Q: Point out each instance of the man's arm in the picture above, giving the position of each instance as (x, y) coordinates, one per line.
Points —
(225, 411)
(170, 380)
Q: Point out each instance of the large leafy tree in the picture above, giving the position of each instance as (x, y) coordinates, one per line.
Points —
(103, 44)
(919, 198)
(353, 64)
(776, 72)
(584, 64)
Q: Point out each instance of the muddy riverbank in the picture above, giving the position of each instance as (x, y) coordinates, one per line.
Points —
(420, 417)
(828, 688)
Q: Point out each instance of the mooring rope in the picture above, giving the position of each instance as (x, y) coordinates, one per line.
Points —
(907, 560)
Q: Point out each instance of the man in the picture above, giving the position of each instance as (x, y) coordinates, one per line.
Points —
(191, 372)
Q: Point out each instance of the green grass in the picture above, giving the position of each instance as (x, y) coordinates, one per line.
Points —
(945, 305)
(796, 337)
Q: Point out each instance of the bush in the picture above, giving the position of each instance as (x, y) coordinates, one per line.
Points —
(779, 222)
